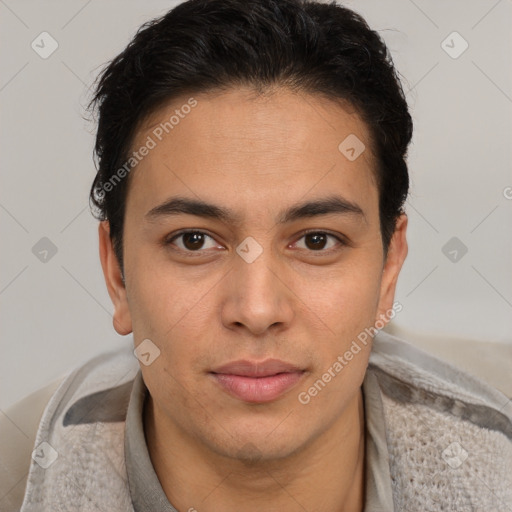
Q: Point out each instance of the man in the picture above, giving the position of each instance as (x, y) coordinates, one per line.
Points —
(252, 174)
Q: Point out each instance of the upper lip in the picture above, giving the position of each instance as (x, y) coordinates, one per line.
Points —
(264, 368)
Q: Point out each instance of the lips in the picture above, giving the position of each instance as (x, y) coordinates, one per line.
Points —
(257, 382)
(257, 369)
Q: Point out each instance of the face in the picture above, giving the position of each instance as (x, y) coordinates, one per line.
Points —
(274, 251)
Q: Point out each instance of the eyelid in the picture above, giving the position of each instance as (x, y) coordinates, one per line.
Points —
(168, 240)
(342, 241)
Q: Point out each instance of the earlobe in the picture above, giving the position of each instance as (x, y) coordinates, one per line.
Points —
(396, 256)
(114, 281)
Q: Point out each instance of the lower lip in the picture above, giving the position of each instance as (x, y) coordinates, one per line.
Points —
(258, 389)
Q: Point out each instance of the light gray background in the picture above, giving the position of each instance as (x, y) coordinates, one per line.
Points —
(56, 315)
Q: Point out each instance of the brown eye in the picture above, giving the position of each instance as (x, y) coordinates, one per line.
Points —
(319, 241)
(192, 241)
(315, 241)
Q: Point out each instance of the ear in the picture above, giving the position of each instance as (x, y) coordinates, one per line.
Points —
(397, 253)
(116, 288)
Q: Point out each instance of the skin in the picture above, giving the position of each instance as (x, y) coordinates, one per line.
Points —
(256, 155)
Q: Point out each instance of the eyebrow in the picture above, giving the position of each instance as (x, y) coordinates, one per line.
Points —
(184, 205)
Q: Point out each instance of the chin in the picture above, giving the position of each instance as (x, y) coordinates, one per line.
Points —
(258, 447)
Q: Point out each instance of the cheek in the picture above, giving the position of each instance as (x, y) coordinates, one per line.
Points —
(358, 305)
(176, 315)
(349, 312)
(346, 298)
(160, 303)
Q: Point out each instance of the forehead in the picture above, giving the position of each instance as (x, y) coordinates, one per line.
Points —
(258, 145)
(281, 120)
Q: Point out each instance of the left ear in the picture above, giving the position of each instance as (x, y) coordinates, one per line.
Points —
(397, 253)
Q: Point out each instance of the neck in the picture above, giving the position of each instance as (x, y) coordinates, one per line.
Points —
(327, 475)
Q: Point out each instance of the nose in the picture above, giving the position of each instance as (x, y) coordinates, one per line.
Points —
(258, 296)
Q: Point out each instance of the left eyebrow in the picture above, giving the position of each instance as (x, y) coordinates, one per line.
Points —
(324, 206)
(328, 205)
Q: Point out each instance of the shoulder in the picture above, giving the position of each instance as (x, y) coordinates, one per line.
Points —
(81, 433)
(449, 434)
(19, 425)
(411, 368)
(97, 391)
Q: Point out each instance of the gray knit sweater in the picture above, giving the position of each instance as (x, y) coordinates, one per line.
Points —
(437, 438)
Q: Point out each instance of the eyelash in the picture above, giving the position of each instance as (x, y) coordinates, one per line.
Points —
(342, 243)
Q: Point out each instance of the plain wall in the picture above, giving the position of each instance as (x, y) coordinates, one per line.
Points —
(57, 314)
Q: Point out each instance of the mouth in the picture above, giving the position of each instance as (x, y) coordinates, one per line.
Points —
(257, 382)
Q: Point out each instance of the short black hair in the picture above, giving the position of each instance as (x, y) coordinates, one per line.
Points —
(203, 46)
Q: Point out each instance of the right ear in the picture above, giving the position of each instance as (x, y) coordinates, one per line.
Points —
(113, 278)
